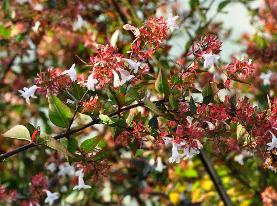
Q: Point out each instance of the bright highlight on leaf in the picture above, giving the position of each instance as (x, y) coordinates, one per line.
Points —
(18, 132)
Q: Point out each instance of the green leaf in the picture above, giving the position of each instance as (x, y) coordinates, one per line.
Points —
(6, 5)
(78, 91)
(207, 94)
(153, 122)
(18, 132)
(82, 119)
(134, 145)
(176, 79)
(150, 105)
(89, 144)
(242, 132)
(131, 96)
(56, 145)
(192, 106)
(161, 83)
(20, 37)
(59, 113)
(4, 32)
(72, 144)
(106, 119)
(190, 173)
(116, 97)
(101, 155)
(139, 153)
(222, 5)
(172, 102)
(31, 128)
(194, 4)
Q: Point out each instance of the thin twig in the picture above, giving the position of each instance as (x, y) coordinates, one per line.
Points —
(73, 131)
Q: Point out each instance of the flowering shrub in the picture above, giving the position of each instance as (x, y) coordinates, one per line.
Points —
(129, 98)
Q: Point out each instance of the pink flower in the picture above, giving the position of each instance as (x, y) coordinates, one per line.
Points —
(240, 68)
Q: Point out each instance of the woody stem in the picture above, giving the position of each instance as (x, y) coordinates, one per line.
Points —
(207, 163)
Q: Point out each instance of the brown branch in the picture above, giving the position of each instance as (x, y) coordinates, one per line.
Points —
(6, 69)
(69, 132)
(215, 178)
(119, 11)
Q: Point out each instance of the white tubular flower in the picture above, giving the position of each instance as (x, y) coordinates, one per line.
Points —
(189, 152)
(51, 167)
(51, 197)
(171, 22)
(133, 29)
(116, 80)
(210, 59)
(81, 183)
(78, 23)
(133, 64)
(36, 26)
(152, 162)
(175, 156)
(69, 101)
(71, 73)
(91, 82)
(210, 125)
(160, 166)
(66, 169)
(28, 92)
(266, 77)
(167, 140)
(23, 1)
(273, 144)
(64, 189)
(125, 76)
(239, 159)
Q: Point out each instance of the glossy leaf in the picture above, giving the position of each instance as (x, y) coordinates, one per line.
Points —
(161, 83)
(72, 144)
(207, 94)
(18, 132)
(89, 144)
(222, 5)
(59, 113)
(105, 119)
(152, 106)
(56, 145)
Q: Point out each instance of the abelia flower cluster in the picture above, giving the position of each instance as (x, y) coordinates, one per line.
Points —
(150, 35)
(265, 54)
(7, 196)
(90, 105)
(154, 31)
(185, 128)
(39, 183)
(53, 81)
(209, 44)
(106, 60)
(240, 69)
